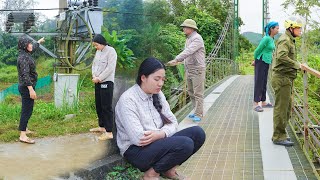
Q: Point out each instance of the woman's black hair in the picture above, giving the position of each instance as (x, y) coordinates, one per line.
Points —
(147, 67)
(23, 43)
(270, 29)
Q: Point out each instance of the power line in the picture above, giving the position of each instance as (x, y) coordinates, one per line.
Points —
(54, 9)
(19, 10)
(130, 13)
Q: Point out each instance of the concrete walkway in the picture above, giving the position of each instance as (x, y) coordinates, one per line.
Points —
(49, 157)
(276, 161)
(238, 144)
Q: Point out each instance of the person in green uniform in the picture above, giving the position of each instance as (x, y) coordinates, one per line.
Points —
(263, 57)
(284, 71)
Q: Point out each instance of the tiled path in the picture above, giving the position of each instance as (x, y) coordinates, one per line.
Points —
(232, 148)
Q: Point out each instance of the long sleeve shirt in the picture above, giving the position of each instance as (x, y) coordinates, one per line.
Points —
(26, 66)
(135, 113)
(285, 62)
(104, 64)
(193, 54)
(265, 49)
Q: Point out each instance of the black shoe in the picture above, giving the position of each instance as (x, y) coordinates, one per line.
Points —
(284, 143)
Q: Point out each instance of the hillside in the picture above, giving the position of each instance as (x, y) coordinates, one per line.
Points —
(255, 38)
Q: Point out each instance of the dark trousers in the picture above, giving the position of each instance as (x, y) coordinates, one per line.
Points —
(166, 153)
(260, 80)
(26, 108)
(103, 96)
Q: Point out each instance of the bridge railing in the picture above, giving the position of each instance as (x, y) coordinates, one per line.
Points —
(305, 120)
(216, 70)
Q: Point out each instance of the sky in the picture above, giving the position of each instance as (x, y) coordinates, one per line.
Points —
(42, 4)
(250, 12)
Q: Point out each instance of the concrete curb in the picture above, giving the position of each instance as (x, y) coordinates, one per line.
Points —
(98, 170)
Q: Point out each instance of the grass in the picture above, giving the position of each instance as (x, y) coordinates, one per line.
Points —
(8, 74)
(46, 119)
(244, 60)
(3, 86)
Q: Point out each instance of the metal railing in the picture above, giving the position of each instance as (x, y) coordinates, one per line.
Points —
(216, 70)
(305, 120)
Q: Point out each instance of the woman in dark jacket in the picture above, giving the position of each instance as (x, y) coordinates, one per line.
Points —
(27, 81)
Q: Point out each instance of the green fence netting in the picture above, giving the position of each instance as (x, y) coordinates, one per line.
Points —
(13, 89)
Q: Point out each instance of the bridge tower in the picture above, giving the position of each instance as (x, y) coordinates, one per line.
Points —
(235, 29)
(265, 14)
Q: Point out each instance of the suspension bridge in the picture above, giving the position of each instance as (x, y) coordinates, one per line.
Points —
(238, 144)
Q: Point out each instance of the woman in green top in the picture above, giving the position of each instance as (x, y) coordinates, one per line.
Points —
(263, 57)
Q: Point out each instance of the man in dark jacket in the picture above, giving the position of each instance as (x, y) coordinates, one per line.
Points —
(27, 81)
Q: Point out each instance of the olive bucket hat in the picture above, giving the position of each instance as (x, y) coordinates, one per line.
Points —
(189, 23)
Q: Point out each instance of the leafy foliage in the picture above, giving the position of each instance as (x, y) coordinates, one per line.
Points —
(302, 7)
(244, 59)
(124, 172)
(244, 43)
(209, 27)
(125, 55)
(132, 21)
(160, 9)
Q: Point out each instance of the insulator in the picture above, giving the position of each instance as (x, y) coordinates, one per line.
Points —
(32, 23)
(32, 17)
(8, 28)
(95, 3)
(90, 2)
(10, 17)
(26, 26)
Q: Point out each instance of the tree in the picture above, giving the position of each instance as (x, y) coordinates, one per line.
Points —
(178, 7)
(157, 11)
(125, 55)
(14, 5)
(216, 8)
(19, 4)
(209, 27)
(314, 40)
(112, 17)
(8, 43)
(132, 17)
(304, 9)
(162, 41)
(244, 43)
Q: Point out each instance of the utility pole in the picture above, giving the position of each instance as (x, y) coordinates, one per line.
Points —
(236, 29)
(265, 14)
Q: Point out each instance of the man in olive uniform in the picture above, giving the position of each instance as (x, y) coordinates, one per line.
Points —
(284, 71)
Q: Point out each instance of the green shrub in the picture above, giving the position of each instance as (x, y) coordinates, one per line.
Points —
(124, 173)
